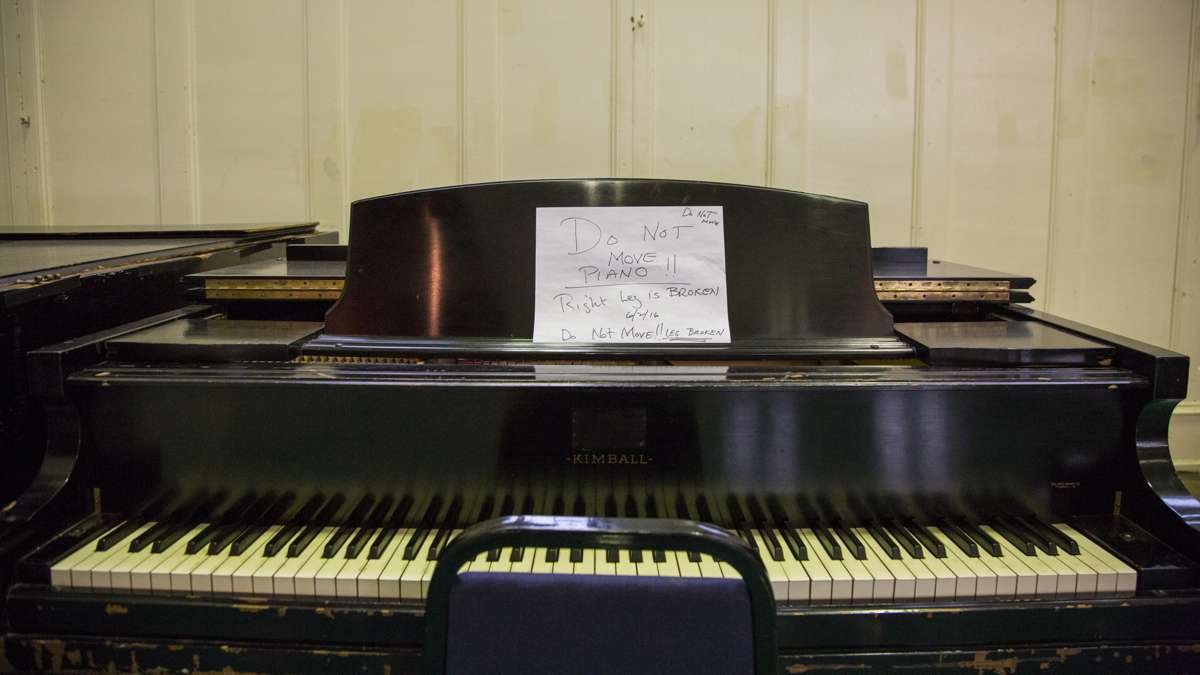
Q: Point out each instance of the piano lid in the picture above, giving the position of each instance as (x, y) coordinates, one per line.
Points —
(456, 264)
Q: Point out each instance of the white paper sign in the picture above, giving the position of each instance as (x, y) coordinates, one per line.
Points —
(631, 274)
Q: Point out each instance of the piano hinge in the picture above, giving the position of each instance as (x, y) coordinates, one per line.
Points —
(96, 501)
(1117, 503)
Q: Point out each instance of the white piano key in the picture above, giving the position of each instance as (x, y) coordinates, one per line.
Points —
(905, 582)
(985, 578)
(800, 582)
(325, 578)
(646, 568)
(588, 564)
(864, 583)
(61, 571)
(728, 571)
(160, 576)
(1027, 577)
(820, 581)
(563, 565)
(884, 589)
(431, 565)
(946, 582)
(1085, 574)
(81, 571)
(503, 563)
(368, 586)
(1126, 576)
(283, 578)
(243, 577)
(304, 579)
(841, 588)
(414, 578)
(709, 567)
(120, 562)
(687, 568)
(525, 564)
(540, 566)
(1065, 585)
(393, 570)
(625, 566)
(775, 574)
(964, 584)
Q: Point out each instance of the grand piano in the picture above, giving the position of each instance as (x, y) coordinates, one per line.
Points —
(928, 473)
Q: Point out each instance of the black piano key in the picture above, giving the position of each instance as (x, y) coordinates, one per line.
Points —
(832, 548)
(960, 538)
(506, 509)
(347, 528)
(416, 541)
(773, 547)
(1014, 537)
(119, 534)
(297, 522)
(1053, 534)
(169, 524)
(794, 543)
(702, 510)
(851, 542)
(231, 515)
(905, 540)
(578, 509)
(885, 542)
(319, 522)
(631, 511)
(388, 532)
(369, 528)
(518, 554)
(613, 555)
(1048, 547)
(197, 516)
(682, 511)
(555, 510)
(446, 532)
(268, 518)
(983, 539)
(228, 534)
(935, 545)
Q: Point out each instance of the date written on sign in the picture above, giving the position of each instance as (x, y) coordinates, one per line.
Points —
(631, 274)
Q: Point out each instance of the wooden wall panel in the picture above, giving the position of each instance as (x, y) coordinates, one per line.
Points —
(250, 110)
(1120, 148)
(984, 150)
(706, 101)
(6, 205)
(844, 106)
(99, 119)
(402, 95)
(554, 64)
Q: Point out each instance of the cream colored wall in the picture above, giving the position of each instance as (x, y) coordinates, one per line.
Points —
(1055, 139)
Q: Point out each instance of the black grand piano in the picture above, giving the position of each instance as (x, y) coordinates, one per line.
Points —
(924, 472)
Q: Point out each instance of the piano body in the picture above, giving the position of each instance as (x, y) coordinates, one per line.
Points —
(932, 475)
(64, 282)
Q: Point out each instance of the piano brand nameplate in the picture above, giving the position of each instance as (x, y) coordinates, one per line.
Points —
(631, 274)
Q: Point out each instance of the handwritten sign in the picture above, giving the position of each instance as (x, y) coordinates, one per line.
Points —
(631, 274)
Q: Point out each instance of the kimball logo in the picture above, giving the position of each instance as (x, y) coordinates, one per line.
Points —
(608, 458)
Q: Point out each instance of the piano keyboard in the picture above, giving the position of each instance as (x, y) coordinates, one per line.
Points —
(366, 558)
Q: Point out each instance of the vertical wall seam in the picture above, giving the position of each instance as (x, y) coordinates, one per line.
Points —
(918, 136)
(613, 88)
(193, 119)
(158, 174)
(1052, 207)
(344, 110)
(772, 47)
(43, 147)
(462, 102)
(1189, 112)
(306, 112)
(8, 138)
